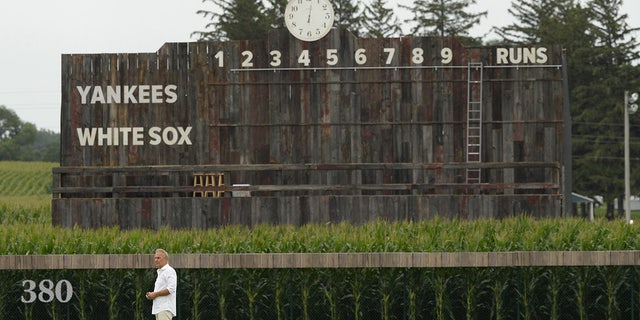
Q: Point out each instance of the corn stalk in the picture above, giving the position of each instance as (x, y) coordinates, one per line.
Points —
(615, 279)
(252, 288)
(412, 295)
(278, 283)
(224, 280)
(582, 276)
(5, 278)
(81, 293)
(192, 279)
(475, 282)
(357, 291)
(529, 283)
(555, 285)
(113, 286)
(141, 287)
(499, 285)
(330, 292)
(307, 282)
(440, 280)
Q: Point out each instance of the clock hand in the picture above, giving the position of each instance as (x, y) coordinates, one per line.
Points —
(310, 9)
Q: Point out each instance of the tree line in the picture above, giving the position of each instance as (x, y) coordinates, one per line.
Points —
(602, 53)
(23, 141)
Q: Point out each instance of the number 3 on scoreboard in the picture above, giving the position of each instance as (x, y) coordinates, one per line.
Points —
(332, 57)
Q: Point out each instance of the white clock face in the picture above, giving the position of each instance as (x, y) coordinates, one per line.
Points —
(309, 20)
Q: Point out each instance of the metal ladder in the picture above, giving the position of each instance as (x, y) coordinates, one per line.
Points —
(474, 120)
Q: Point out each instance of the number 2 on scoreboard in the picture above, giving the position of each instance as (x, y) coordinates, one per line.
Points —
(332, 57)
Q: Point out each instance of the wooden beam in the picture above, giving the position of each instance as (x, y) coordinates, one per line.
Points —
(327, 260)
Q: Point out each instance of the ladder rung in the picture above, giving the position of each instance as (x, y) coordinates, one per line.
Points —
(474, 119)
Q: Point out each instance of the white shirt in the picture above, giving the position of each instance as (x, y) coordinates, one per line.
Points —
(167, 279)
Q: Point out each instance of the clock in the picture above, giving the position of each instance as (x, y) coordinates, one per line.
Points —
(309, 20)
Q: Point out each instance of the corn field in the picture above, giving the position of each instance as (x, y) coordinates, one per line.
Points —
(25, 178)
(435, 235)
(362, 293)
(474, 293)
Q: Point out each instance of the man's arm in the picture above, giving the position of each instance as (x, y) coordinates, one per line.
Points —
(153, 295)
(172, 284)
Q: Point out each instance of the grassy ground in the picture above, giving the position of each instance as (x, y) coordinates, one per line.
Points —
(599, 213)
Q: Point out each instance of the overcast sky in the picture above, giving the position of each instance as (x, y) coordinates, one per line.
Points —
(34, 34)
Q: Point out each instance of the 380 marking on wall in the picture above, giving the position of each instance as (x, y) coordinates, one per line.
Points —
(46, 291)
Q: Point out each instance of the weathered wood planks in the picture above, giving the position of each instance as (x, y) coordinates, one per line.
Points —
(259, 108)
(327, 260)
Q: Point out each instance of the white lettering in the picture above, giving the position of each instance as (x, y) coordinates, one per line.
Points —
(113, 94)
(138, 136)
(184, 136)
(125, 135)
(541, 53)
(155, 136)
(502, 56)
(115, 136)
(86, 136)
(170, 136)
(515, 55)
(128, 94)
(83, 93)
(98, 96)
(156, 94)
(530, 55)
(170, 91)
(143, 94)
(104, 135)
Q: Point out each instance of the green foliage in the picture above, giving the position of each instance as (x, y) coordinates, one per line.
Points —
(240, 19)
(10, 123)
(380, 21)
(348, 15)
(24, 179)
(600, 72)
(24, 142)
(17, 237)
(536, 21)
(444, 18)
(368, 293)
(25, 213)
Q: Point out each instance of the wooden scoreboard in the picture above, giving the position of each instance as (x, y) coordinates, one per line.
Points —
(284, 131)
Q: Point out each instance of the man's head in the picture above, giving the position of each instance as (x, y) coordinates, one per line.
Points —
(161, 258)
